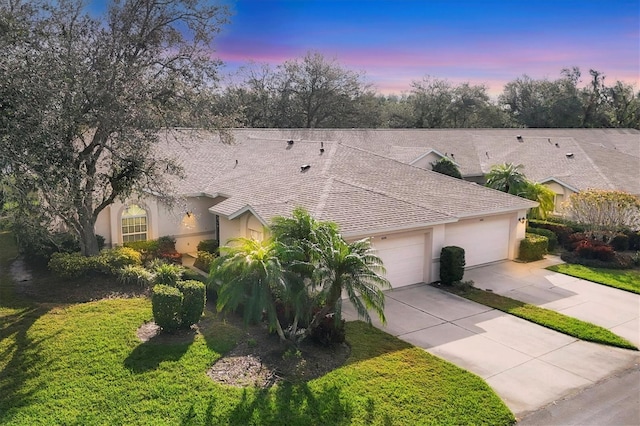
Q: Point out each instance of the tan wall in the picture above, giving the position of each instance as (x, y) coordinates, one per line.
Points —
(163, 221)
(562, 195)
(427, 161)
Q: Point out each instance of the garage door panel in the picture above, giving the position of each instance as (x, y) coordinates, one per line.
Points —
(483, 241)
(403, 258)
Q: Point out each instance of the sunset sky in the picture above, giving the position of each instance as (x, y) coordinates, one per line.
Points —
(395, 42)
(483, 41)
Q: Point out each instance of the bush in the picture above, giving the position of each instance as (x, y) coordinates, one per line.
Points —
(70, 265)
(135, 275)
(620, 242)
(593, 249)
(111, 261)
(563, 232)
(329, 332)
(209, 246)
(551, 236)
(533, 247)
(204, 260)
(168, 274)
(162, 248)
(194, 299)
(634, 240)
(189, 274)
(620, 261)
(166, 303)
(452, 264)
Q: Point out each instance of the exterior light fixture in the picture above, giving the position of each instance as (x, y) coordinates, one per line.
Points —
(522, 219)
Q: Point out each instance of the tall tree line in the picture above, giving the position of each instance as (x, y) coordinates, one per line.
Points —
(314, 91)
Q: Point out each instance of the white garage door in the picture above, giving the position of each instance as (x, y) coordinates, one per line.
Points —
(483, 240)
(403, 256)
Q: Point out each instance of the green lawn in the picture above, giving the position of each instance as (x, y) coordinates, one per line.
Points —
(551, 319)
(628, 280)
(83, 364)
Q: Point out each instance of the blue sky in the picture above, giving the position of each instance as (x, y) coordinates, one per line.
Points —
(486, 42)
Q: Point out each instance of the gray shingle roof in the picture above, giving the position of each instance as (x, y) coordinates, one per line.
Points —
(362, 191)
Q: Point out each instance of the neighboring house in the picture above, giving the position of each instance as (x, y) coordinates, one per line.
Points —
(566, 160)
(408, 212)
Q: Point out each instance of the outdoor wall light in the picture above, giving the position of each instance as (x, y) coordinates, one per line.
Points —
(189, 213)
(522, 219)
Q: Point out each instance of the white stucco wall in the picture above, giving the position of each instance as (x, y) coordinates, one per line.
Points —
(562, 194)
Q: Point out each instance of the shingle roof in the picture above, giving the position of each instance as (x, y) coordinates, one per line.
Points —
(361, 190)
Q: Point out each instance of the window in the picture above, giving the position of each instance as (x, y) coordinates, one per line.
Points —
(255, 235)
(557, 203)
(134, 224)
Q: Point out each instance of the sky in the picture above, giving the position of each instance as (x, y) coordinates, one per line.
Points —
(395, 42)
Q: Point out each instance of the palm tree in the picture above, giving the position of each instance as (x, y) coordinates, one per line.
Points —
(352, 268)
(543, 195)
(507, 178)
(249, 273)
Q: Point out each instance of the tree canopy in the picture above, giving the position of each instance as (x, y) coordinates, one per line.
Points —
(84, 99)
(604, 213)
(446, 167)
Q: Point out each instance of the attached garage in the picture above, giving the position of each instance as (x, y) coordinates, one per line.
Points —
(484, 240)
(404, 257)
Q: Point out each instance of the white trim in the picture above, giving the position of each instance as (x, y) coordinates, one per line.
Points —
(559, 182)
(406, 228)
(239, 213)
(438, 153)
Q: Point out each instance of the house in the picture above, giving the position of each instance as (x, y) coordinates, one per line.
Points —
(409, 213)
(565, 160)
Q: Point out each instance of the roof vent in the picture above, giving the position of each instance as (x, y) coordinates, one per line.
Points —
(557, 145)
(321, 150)
(519, 137)
(569, 154)
(304, 167)
(289, 142)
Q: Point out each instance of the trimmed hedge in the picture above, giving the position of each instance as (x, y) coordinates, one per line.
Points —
(108, 262)
(452, 264)
(194, 299)
(166, 304)
(551, 236)
(533, 247)
(562, 231)
(210, 246)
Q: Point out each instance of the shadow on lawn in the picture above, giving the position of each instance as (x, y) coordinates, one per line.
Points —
(160, 348)
(289, 404)
(24, 360)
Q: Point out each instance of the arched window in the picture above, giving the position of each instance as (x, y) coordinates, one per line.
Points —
(134, 224)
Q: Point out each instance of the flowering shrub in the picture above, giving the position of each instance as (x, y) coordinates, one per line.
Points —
(593, 249)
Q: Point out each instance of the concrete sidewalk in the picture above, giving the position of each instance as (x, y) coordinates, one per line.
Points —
(528, 365)
(608, 307)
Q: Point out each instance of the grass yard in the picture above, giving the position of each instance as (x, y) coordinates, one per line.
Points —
(628, 280)
(82, 363)
(551, 319)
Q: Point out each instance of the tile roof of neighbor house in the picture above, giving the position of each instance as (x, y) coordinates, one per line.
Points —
(362, 191)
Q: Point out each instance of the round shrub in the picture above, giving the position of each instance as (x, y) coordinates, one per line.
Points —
(194, 299)
(551, 236)
(593, 249)
(533, 247)
(166, 304)
(210, 246)
(452, 264)
(112, 260)
(168, 274)
(70, 265)
(135, 275)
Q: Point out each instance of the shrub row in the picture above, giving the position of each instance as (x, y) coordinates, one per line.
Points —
(563, 232)
(178, 306)
(204, 260)
(533, 247)
(162, 248)
(592, 249)
(108, 262)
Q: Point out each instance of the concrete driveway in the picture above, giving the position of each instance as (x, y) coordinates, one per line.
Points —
(528, 365)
